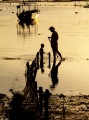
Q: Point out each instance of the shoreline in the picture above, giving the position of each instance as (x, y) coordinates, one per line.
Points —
(49, 3)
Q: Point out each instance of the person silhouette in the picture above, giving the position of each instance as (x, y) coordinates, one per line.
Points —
(54, 42)
(54, 74)
(41, 51)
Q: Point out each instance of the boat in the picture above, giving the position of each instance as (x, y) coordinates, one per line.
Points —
(26, 16)
(87, 5)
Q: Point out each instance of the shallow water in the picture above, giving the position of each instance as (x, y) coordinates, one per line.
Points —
(21, 45)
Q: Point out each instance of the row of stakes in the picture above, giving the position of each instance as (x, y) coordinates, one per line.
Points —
(41, 98)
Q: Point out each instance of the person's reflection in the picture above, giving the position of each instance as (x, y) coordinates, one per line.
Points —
(54, 74)
(42, 65)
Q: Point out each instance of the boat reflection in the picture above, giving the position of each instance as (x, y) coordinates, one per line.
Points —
(24, 29)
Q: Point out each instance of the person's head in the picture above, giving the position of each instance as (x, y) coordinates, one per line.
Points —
(51, 28)
(42, 45)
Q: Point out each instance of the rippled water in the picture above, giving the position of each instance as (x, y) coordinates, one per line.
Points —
(21, 45)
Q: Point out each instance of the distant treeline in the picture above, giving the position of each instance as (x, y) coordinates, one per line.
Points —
(40, 0)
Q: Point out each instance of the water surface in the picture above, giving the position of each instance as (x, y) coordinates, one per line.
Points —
(20, 45)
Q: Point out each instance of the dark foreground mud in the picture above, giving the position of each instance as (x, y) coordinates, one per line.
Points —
(61, 107)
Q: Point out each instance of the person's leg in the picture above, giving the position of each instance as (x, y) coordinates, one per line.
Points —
(54, 55)
(54, 52)
(56, 49)
(59, 54)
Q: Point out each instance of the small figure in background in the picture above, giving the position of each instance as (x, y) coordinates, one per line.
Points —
(41, 51)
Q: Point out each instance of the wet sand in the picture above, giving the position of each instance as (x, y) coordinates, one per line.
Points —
(67, 108)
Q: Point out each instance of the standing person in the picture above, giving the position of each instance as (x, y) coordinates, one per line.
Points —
(41, 51)
(54, 42)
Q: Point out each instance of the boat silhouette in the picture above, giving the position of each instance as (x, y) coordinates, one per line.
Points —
(26, 16)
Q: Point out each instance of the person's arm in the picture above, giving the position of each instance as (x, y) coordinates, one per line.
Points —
(49, 38)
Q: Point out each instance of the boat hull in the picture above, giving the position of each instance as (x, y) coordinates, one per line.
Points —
(28, 16)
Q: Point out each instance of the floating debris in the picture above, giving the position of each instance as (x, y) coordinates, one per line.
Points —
(7, 58)
(1, 9)
(39, 34)
(76, 12)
